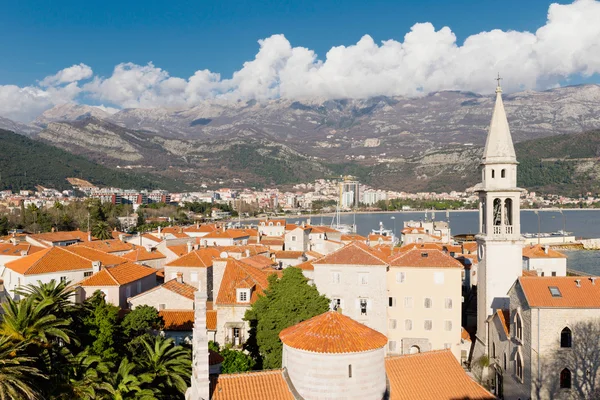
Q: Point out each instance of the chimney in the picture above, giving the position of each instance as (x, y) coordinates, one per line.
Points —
(13, 240)
(190, 247)
(89, 236)
(159, 231)
(96, 266)
(197, 225)
(578, 282)
(122, 237)
(23, 253)
(303, 224)
(308, 222)
(247, 253)
(538, 272)
(224, 228)
(593, 280)
(53, 230)
(180, 277)
(546, 249)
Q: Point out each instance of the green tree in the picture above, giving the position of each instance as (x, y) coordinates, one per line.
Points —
(99, 328)
(102, 231)
(235, 361)
(125, 383)
(18, 375)
(138, 325)
(286, 302)
(82, 376)
(59, 294)
(168, 366)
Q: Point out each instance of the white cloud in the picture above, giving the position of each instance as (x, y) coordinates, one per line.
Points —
(74, 73)
(426, 60)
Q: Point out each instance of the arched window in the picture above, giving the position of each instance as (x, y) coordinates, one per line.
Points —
(503, 173)
(519, 330)
(414, 350)
(565, 338)
(519, 367)
(497, 211)
(508, 212)
(493, 174)
(565, 379)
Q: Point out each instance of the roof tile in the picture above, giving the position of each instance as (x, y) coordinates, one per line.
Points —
(119, 275)
(354, 253)
(537, 291)
(263, 385)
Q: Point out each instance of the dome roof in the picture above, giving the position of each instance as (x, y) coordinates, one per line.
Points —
(332, 332)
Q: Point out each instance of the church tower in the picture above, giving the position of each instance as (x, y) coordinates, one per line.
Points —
(499, 243)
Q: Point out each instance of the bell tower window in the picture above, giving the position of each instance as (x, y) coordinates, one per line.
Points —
(508, 211)
(493, 174)
(497, 212)
(503, 173)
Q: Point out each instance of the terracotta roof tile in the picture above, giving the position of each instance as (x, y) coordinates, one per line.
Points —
(313, 254)
(119, 275)
(272, 241)
(182, 289)
(253, 249)
(332, 332)
(323, 229)
(201, 258)
(263, 385)
(211, 320)
(239, 275)
(375, 238)
(352, 237)
(95, 255)
(141, 254)
(537, 291)
(201, 228)
(14, 250)
(259, 261)
(471, 247)
(529, 273)
(179, 249)
(464, 335)
(354, 253)
(228, 234)
(54, 237)
(109, 246)
(288, 254)
(434, 375)
(306, 266)
(421, 258)
(178, 320)
(427, 246)
(504, 317)
(537, 251)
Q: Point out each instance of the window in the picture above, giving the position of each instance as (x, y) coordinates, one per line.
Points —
(565, 338)
(408, 324)
(503, 173)
(554, 291)
(335, 277)
(393, 323)
(428, 324)
(363, 306)
(63, 279)
(400, 277)
(337, 303)
(87, 274)
(427, 302)
(392, 346)
(392, 301)
(504, 362)
(448, 303)
(565, 379)
(553, 273)
(493, 350)
(363, 278)
(408, 302)
(161, 306)
(349, 370)
(438, 278)
(243, 295)
(293, 238)
(448, 325)
(519, 367)
(493, 174)
(194, 277)
(519, 324)
(414, 350)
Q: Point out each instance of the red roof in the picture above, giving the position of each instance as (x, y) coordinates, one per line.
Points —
(288, 254)
(109, 246)
(178, 320)
(9, 249)
(141, 254)
(238, 275)
(201, 258)
(539, 251)
(332, 332)
(262, 385)
(354, 253)
(119, 275)
(180, 288)
(433, 375)
(423, 258)
(538, 294)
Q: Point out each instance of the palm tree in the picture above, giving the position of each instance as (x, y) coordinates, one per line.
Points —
(31, 321)
(81, 377)
(101, 231)
(17, 375)
(60, 295)
(125, 384)
(169, 366)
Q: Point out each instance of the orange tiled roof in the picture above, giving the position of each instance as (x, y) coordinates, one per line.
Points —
(182, 289)
(179, 249)
(313, 254)
(141, 254)
(288, 254)
(464, 335)
(434, 375)
(201, 258)
(504, 317)
(152, 237)
(14, 250)
(353, 236)
(54, 237)
(529, 273)
(537, 291)
(259, 261)
(411, 246)
(354, 253)
(201, 228)
(332, 332)
(306, 265)
(422, 258)
(272, 241)
(228, 234)
(109, 246)
(323, 229)
(57, 259)
(375, 238)
(211, 320)
(178, 320)
(262, 385)
(537, 251)
(119, 275)
(239, 275)
(253, 249)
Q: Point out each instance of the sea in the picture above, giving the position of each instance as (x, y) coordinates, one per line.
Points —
(582, 223)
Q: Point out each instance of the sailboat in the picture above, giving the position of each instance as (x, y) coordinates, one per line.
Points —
(344, 228)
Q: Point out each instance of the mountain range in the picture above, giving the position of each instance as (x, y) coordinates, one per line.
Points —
(389, 142)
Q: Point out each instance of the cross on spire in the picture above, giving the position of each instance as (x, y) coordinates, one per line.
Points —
(498, 88)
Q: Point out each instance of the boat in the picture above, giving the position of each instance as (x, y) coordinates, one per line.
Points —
(385, 232)
(343, 228)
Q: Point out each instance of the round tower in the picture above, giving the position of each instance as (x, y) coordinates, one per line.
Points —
(331, 356)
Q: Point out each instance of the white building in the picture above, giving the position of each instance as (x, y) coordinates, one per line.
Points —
(544, 261)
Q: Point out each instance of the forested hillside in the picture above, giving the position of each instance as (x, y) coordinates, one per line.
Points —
(25, 163)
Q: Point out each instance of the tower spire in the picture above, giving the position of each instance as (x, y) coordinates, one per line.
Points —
(499, 145)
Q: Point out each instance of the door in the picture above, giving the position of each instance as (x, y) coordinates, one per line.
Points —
(236, 336)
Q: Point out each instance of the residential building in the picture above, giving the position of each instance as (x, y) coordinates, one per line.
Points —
(271, 227)
(298, 239)
(151, 258)
(544, 261)
(196, 269)
(171, 295)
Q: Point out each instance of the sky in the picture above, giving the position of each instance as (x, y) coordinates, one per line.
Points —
(179, 54)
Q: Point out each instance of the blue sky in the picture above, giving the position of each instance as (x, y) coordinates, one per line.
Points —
(39, 37)
(179, 54)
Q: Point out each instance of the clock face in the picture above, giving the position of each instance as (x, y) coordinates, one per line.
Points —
(480, 252)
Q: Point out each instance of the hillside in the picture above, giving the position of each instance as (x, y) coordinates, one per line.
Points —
(25, 163)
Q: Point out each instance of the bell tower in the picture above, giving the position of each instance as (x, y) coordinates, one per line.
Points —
(499, 240)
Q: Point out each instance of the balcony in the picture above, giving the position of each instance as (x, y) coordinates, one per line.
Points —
(503, 230)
